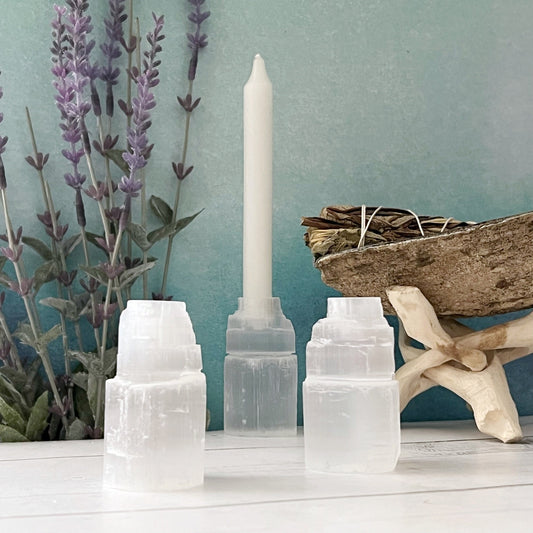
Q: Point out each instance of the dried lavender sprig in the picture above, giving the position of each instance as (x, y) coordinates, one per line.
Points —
(111, 49)
(142, 104)
(77, 74)
(145, 81)
(83, 72)
(24, 288)
(56, 232)
(65, 95)
(197, 41)
(135, 158)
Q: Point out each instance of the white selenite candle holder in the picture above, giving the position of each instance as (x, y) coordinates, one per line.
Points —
(260, 369)
(156, 405)
(350, 397)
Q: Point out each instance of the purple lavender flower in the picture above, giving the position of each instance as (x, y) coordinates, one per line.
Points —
(59, 232)
(96, 193)
(113, 214)
(142, 104)
(13, 254)
(108, 247)
(80, 209)
(111, 271)
(109, 143)
(15, 237)
(93, 433)
(130, 186)
(81, 73)
(99, 314)
(22, 289)
(197, 40)
(66, 278)
(63, 409)
(70, 53)
(111, 49)
(46, 218)
(92, 287)
(39, 162)
(161, 296)
(180, 171)
(107, 314)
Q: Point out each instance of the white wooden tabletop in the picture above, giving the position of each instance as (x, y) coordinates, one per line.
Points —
(450, 477)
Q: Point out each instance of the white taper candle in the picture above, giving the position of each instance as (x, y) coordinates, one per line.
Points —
(257, 218)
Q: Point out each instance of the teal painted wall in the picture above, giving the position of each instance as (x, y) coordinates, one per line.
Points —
(419, 104)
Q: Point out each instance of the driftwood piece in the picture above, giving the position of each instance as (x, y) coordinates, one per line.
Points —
(485, 389)
(487, 393)
(421, 323)
(480, 270)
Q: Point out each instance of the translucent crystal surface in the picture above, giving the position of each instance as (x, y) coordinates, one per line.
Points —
(260, 371)
(351, 401)
(156, 406)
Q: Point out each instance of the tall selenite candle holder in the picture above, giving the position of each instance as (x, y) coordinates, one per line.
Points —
(260, 369)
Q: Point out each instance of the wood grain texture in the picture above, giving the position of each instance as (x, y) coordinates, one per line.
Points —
(482, 270)
(448, 479)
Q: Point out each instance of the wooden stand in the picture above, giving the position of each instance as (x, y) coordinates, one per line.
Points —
(469, 363)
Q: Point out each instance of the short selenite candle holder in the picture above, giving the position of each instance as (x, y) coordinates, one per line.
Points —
(156, 405)
(260, 371)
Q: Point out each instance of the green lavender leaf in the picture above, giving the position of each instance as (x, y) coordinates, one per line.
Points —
(110, 361)
(96, 273)
(4, 278)
(37, 422)
(161, 209)
(34, 380)
(91, 237)
(15, 377)
(80, 379)
(115, 155)
(11, 417)
(66, 307)
(85, 358)
(169, 230)
(11, 395)
(76, 430)
(129, 276)
(45, 273)
(92, 395)
(139, 236)
(24, 334)
(83, 409)
(53, 333)
(39, 246)
(70, 244)
(8, 434)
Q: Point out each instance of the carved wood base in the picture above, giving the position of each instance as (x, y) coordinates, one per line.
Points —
(469, 363)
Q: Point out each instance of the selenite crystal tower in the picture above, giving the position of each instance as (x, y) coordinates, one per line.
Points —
(156, 405)
(351, 399)
(260, 369)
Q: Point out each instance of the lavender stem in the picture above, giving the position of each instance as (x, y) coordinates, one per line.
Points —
(43, 352)
(170, 241)
(9, 337)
